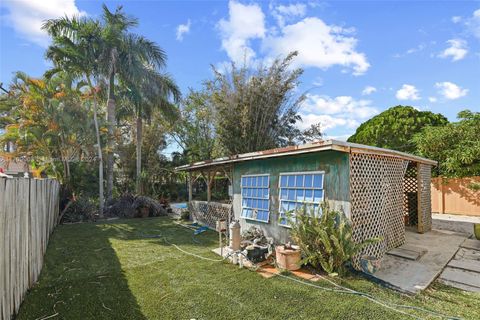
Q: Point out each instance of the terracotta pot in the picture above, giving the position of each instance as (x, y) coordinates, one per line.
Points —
(288, 259)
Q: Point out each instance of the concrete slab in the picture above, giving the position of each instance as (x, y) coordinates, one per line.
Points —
(413, 276)
(471, 244)
(453, 222)
(469, 278)
(410, 253)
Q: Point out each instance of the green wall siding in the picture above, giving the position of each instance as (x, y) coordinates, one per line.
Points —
(336, 184)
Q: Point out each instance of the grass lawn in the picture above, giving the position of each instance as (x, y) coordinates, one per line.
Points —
(112, 271)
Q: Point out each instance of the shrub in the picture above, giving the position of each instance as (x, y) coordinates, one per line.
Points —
(82, 209)
(131, 206)
(325, 241)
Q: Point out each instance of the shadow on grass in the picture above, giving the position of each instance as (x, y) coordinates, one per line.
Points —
(83, 277)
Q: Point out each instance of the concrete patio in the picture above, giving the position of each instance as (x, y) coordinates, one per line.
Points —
(412, 267)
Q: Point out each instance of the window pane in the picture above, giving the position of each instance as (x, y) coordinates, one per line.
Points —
(299, 181)
(244, 181)
(317, 181)
(283, 193)
(265, 181)
(309, 195)
(283, 181)
(317, 195)
(291, 194)
(283, 206)
(308, 180)
(254, 203)
(249, 192)
(265, 193)
(300, 195)
(291, 181)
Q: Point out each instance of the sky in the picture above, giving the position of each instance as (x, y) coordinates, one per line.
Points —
(359, 57)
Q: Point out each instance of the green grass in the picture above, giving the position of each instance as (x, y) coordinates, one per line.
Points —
(112, 271)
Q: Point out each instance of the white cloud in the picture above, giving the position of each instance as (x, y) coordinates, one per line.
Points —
(283, 13)
(450, 90)
(473, 23)
(26, 17)
(368, 90)
(341, 111)
(319, 45)
(245, 22)
(457, 50)
(432, 99)
(183, 29)
(456, 19)
(407, 92)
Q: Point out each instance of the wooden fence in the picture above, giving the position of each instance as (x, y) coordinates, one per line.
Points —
(28, 215)
(455, 196)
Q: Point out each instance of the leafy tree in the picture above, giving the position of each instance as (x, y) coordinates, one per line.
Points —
(256, 109)
(75, 49)
(456, 146)
(194, 130)
(51, 126)
(394, 128)
(155, 92)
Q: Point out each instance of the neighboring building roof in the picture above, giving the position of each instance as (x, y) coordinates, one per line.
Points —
(13, 166)
(321, 145)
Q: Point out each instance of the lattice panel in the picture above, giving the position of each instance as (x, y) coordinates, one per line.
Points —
(207, 213)
(424, 202)
(410, 199)
(376, 195)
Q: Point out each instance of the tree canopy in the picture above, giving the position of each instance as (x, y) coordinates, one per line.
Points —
(456, 146)
(395, 128)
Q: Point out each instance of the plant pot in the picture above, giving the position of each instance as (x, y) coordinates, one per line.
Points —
(476, 230)
(288, 259)
(369, 264)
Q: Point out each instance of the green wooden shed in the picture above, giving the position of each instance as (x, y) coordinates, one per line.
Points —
(381, 191)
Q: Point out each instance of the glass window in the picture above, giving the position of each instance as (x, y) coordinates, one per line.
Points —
(300, 191)
(255, 197)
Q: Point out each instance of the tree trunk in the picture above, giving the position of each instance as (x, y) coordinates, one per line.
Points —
(111, 134)
(139, 155)
(99, 153)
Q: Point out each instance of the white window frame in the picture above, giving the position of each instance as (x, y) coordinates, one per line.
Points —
(295, 188)
(268, 197)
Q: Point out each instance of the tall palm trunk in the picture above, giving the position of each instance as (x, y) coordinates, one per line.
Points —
(99, 152)
(111, 133)
(139, 154)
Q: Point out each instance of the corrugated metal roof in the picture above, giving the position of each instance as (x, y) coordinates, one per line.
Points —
(316, 146)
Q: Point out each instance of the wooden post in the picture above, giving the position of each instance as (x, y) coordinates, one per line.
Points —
(420, 186)
(190, 187)
(209, 186)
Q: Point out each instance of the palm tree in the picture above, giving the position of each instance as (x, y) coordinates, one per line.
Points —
(125, 57)
(154, 93)
(76, 49)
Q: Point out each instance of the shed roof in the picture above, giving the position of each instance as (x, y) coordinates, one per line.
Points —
(316, 146)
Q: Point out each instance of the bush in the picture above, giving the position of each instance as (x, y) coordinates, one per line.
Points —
(131, 206)
(82, 209)
(326, 241)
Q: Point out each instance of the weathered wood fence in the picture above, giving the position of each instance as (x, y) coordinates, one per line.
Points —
(28, 215)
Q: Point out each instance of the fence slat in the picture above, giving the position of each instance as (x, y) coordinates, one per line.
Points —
(28, 213)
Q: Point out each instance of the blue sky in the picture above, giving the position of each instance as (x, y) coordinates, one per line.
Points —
(359, 57)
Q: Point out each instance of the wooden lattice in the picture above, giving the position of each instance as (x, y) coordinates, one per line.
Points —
(424, 198)
(410, 199)
(376, 195)
(207, 213)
